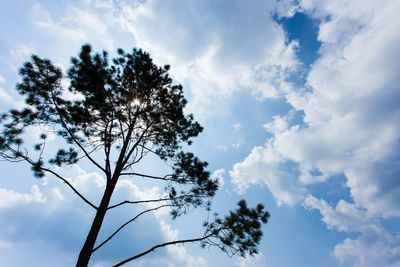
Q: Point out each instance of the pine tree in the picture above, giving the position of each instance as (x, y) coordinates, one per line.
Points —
(123, 111)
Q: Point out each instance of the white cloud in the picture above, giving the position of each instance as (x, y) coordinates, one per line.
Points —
(350, 126)
(85, 181)
(57, 193)
(277, 125)
(218, 175)
(375, 246)
(136, 193)
(257, 260)
(351, 113)
(238, 144)
(344, 217)
(58, 204)
(44, 20)
(265, 166)
(21, 51)
(355, 90)
(5, 97)
(236, 126)
(10, 198)
(178, 253)
(350, 102)
(76, 24)
(214, 52)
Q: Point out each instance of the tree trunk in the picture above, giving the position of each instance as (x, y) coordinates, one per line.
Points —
(87, 249)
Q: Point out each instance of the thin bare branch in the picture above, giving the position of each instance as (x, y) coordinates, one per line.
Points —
(165, 178)
(164, 245)
(73, 136)
(148, 149)
(64, 180)
(146, 201)
(128, 222)
(135, 159)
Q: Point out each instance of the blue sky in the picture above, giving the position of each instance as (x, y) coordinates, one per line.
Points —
(300, 104)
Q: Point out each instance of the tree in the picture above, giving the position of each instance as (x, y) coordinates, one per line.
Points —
(123, 110)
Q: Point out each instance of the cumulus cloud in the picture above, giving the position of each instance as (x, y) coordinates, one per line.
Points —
(375, 246)
(350, 126)
(10, 198)
(355, 88)
(265, 166)
(345, 216)
(350, 111)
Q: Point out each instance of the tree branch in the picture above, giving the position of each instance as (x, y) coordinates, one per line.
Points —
(166, 244)
(145, 201)
(128, 222)
(64, 180)
(73, 137)
(107, 147)
(136, 144)
(147, 176)
(148, 149)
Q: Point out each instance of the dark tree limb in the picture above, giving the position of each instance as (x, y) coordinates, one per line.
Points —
(107, 147)
(147, 201)
(136, 144)
(64, 180)
(128, 222)
(164, 245)
(165, 178)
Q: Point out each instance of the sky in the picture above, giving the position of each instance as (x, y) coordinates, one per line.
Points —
(300, 105)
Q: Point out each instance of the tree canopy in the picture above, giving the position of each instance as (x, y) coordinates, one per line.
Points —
(120, 111)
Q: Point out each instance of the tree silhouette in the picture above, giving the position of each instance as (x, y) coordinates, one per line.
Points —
(123, 110)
